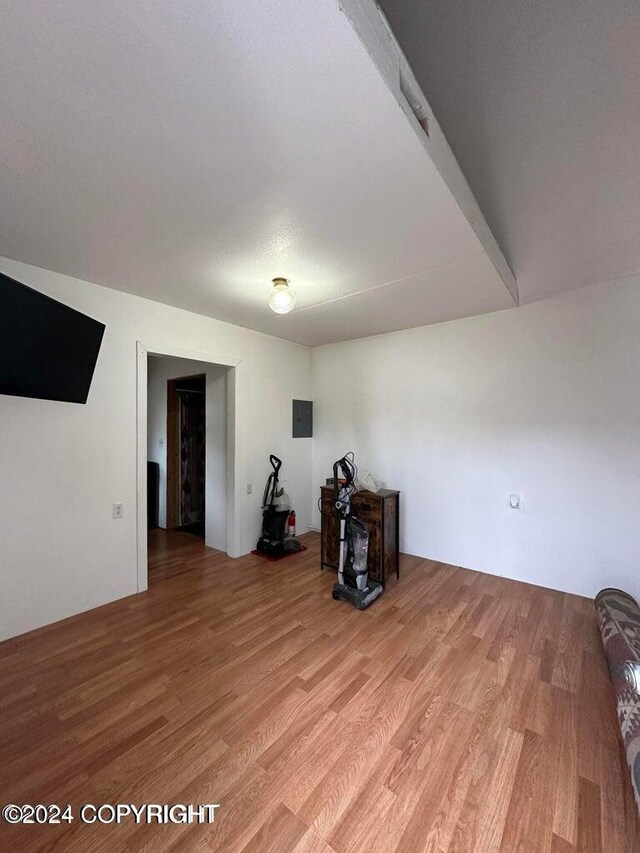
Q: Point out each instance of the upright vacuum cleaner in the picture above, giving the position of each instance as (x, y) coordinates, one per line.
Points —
(276, 506)
(353, 578)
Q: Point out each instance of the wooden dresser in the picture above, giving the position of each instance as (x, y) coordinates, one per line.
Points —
(380, 511)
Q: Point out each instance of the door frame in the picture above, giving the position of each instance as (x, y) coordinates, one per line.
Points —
(143, 351)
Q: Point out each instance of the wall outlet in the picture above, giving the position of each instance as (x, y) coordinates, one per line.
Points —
(161, 442)
(118, 510)
(249, 488)
(514, 501)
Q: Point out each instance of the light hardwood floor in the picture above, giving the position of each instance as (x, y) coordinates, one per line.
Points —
(462, 712)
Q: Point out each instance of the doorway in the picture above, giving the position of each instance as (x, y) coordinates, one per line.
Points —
(158, 426)
(186, 454)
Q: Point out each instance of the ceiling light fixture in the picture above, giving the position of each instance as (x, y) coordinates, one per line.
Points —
(281, 298)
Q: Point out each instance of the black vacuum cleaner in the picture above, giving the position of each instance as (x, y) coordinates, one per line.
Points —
(276, 507)
(353, 578)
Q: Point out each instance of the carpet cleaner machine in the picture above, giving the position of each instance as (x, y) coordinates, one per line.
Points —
(278, 520)
(353, 578)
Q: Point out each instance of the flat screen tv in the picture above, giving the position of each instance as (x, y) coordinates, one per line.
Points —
(47, 350)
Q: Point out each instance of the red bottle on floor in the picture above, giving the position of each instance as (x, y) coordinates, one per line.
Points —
(291, 524)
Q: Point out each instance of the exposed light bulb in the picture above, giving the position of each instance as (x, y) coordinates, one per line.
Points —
(281, 298)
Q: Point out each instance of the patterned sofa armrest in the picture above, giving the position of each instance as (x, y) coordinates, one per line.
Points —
(619, 622)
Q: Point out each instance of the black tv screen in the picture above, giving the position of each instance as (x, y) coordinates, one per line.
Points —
(47, 350)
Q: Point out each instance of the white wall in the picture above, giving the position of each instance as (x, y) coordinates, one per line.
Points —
(543, 401)
(62, 465)
(160, 370)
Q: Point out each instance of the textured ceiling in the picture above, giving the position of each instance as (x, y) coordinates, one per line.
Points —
(190, 152)
(540, 101)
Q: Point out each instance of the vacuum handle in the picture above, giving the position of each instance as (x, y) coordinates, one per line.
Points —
(345, 467)
(272, 482)
(276, 463)
(336, 490)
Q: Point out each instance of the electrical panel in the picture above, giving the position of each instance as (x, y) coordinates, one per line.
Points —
(302, 419)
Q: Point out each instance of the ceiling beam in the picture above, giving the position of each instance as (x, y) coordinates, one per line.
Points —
(373, 30)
